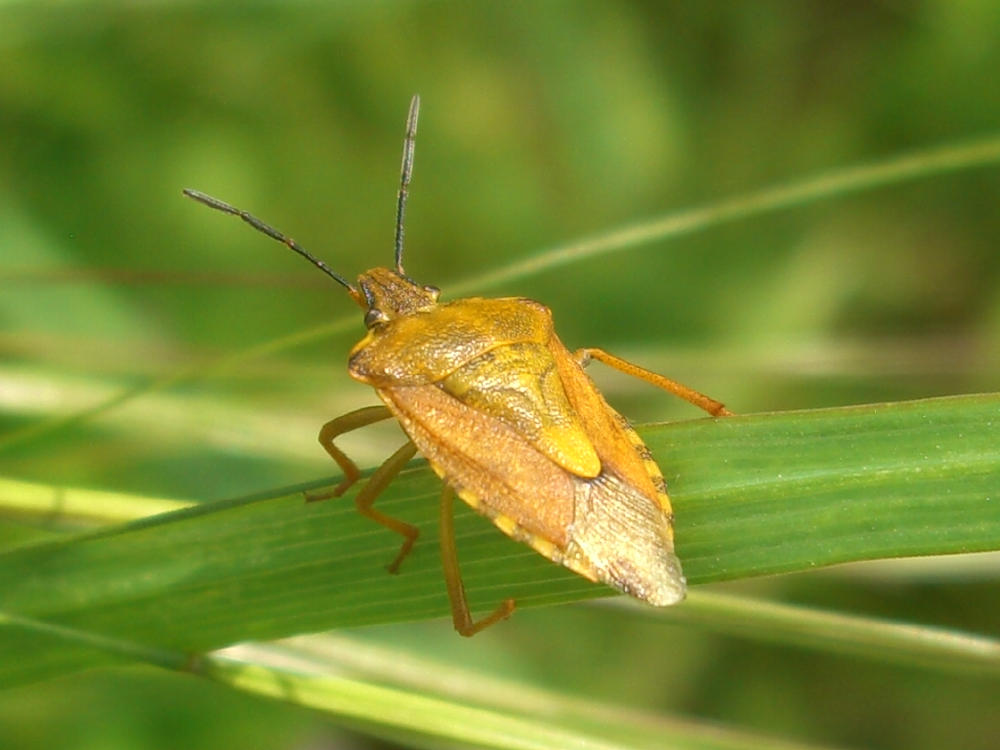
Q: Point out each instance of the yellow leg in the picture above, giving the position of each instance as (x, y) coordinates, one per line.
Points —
(460, 614)
(377, 482)
(713, 407)
(345, 423)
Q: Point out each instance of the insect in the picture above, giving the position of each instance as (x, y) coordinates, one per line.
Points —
(508, 419)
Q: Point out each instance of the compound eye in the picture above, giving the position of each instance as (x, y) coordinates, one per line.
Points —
(375, 317)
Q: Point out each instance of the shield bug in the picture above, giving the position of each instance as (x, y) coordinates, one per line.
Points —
(507, 417)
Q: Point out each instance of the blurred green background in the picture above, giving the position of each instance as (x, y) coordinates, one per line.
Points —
(541, 124)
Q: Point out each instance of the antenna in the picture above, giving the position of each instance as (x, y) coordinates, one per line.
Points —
(273, 233)
(404, 178)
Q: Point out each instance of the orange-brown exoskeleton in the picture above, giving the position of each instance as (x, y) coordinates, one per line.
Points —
(509, 420)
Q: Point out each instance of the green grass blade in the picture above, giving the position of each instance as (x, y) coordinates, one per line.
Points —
(797, 490)
(871, 638)
(70, 505)
(753, 495)
(435, 706)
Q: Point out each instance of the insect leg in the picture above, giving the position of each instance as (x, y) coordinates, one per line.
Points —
(460, 614)
(345, 423)
(377, 482)
(713, 407)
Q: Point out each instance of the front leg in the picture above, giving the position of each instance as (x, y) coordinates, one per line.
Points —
(345, 423)
(377, 482)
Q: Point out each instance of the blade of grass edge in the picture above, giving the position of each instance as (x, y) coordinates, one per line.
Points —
(870, 638)
(393, 712)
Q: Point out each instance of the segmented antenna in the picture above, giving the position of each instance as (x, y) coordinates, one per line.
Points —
(404, 178)
(271, 232)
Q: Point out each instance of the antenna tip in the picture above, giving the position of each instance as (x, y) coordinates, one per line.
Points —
(411, 118)
(211, 202)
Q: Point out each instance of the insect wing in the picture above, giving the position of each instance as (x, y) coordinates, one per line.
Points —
(490, 466)
(520, 385)
(626, 540)
(602, 528)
